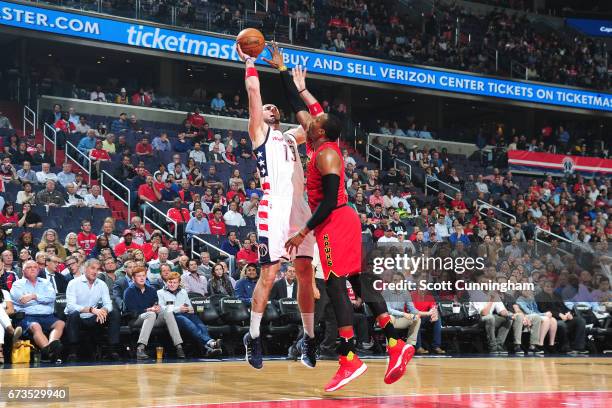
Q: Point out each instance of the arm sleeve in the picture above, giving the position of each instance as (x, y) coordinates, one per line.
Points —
(71, 304)
(291, 93)
(331, 184)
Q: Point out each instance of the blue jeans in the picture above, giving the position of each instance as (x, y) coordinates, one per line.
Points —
(437, 331)
(192, 324)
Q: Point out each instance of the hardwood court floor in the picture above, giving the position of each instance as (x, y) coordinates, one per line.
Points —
(455, 382)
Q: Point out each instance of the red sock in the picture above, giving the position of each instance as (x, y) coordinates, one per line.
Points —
(346, 333)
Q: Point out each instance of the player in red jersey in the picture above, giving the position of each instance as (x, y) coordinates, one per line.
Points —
(337, 230)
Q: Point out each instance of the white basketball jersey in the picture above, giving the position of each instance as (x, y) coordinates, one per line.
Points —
(276, 159)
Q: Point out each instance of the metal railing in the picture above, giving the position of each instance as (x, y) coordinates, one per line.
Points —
(27, 113)
(438, 181)
(50, 134)
(404, 163)
(231, 259)
(146, 217)
(117, 183)
(369, 154)
(75, 154)
(484, 204)
(540, 231)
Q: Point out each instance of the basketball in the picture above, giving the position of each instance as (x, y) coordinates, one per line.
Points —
(252, 41)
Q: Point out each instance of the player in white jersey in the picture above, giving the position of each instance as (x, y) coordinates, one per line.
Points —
(282, 210)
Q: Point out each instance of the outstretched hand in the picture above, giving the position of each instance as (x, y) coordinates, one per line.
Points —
(299, 77)
(241, 53)
(276, 60)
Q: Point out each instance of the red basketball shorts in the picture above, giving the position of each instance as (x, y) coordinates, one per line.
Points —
(339, 242)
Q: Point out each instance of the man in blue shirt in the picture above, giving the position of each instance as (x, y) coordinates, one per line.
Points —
(140, 300)
(36, 298)
(161, 143)
(197, 225)
(120, 125)
(217, 104)
(88, 142)
(246, 285)
(88, 304)
(232, 245)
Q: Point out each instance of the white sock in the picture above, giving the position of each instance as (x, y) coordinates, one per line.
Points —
(255, 322)
(308, 322)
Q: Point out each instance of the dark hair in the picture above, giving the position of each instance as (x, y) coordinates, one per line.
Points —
(332, 127)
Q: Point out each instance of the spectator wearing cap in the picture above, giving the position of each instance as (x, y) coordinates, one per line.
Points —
(45, 174)
(35, 297)
(142, 302)
(127, 243)
(120, 124)
(50, 196)
(122, 98)
(143, 147)
(88, 305)
(389, 237)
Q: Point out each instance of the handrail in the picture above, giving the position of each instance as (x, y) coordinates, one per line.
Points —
(127, 202)
(438, 190)
(145, 217)
(231, 257)
(536, 239)
(53, 140)
(494, 208)
(368, 154)
(405, 163)
(27, 120)
(74, 159)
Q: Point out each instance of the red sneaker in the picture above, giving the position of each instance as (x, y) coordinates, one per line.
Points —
(348, 371)
(399, 356)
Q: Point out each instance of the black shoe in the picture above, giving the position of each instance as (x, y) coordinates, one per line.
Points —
(253, 351)
(54, 350)
(212, 352)
(293, 353)
(309, 351)
(517, 349)
(141, 354)
(180, 353)
(114, 356)
(536, 349)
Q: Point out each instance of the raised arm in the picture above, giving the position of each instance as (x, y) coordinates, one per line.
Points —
(257, 127)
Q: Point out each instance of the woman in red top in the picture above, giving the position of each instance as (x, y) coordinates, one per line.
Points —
(8, 217)
(425, 303)
(98, 155)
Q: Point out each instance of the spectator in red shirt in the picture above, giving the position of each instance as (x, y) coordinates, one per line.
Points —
(86, 239)
(98, 155)
(248, 253)
(64, 128)
(151, 249)
(8, 216)
(458, 204)
(216, 224)
(141, 98)
(127, 244)
(235, 191)
(196, 119)
(147, 193)
(144, 148)
(180, 215)
(425, 303)
(139, 233)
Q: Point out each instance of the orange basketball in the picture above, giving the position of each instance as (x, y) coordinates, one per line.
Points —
(252, 41)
